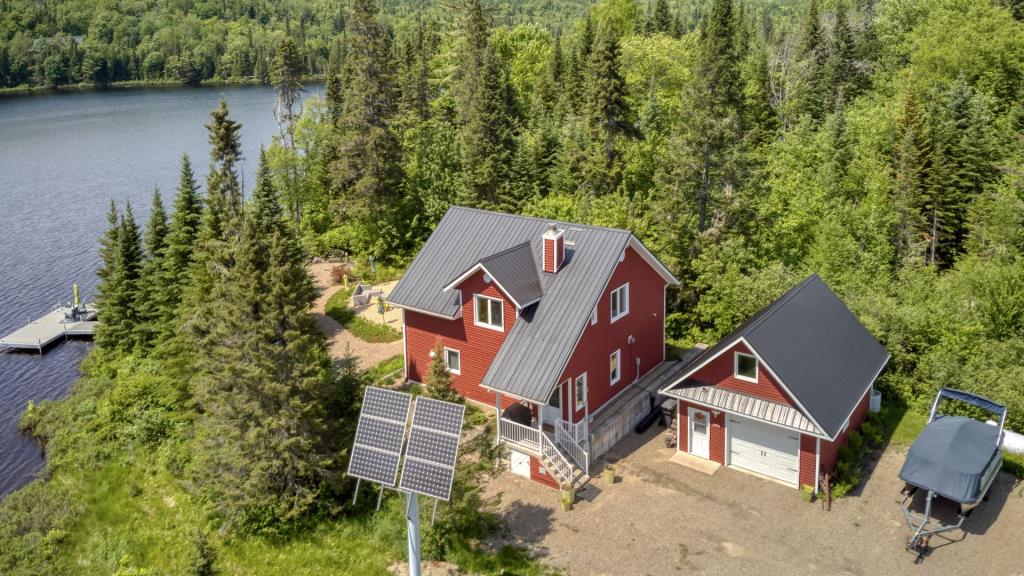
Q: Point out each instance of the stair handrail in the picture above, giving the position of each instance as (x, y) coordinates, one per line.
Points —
(562, 466)
(566, 438)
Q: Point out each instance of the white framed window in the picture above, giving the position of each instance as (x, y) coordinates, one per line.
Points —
(615, 366)
(453, 360)
(620, 302)
(581, 391)
(489, 312)
(745, 367)
(593, 316)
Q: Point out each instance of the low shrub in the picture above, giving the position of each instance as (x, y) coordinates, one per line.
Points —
(372, 331)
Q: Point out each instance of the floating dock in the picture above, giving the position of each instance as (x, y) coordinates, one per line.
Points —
(64, 322)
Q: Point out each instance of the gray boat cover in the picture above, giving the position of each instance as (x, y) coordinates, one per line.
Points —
(950, 457)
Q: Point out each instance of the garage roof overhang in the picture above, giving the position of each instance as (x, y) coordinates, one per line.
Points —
(748, 406)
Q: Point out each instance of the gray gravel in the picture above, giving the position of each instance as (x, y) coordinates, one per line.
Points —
(661, 518)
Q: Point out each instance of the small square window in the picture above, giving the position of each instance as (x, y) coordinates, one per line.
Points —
(453, 359)
(489, 312)
(615, 368)
(745, 367)
(620, 302)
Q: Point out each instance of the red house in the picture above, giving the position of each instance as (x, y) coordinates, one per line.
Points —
(779, 395)
(549, 322)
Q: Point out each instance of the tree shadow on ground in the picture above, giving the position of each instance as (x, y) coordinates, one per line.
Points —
(525, 526)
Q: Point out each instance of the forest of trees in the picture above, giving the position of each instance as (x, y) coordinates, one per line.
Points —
(878, 143)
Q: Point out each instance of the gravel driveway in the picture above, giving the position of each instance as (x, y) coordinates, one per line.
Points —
(660, 518)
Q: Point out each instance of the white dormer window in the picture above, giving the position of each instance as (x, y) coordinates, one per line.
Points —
(489, 312)
(620, 302)
(745, 367)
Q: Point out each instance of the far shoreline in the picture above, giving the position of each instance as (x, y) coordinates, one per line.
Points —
(27, 90)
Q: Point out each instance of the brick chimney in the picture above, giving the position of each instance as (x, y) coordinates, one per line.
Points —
(554, 249)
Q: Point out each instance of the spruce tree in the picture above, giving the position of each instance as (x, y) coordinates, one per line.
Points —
(811, 54)
(706, 155)
(367, 173)
(262, 383)
(333, 84)
(912, 156)
(285, 74)
(182, 235)
(119, 291)
(439, 378)
(151, 278)
(842, 77)
(607, 115)
(224, 192)
(488, 138)
(659, 20)
(475, 33)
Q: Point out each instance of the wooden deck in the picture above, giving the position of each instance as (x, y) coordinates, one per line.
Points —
(50, 328)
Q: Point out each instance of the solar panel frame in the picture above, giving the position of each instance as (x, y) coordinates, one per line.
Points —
(380, 436)
(433, 448)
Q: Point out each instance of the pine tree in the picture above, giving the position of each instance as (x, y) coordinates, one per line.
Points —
(182, 236)
(439, 378)
(659, 20)
(224, 193)
(285, 72)
(333, 87)
(414, 103)
(760, 119)
(607, 115)
(120, 288)
(151, 278)
(811, 56)
(488, 138)
(912, 156)
(475, 34)
(705, 156)
(367, 173)
(262, 385)
(842, 78)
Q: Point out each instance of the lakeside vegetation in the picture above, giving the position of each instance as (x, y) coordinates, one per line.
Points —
(879, 144)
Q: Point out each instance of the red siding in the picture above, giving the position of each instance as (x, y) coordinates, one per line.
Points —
(717, 443)
(542, 477)
(829, 450)
(719, 372)
(645, 322)
(554, 253)
(477, 346)
(808, 457)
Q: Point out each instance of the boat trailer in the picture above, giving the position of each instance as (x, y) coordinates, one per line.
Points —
(956, 458)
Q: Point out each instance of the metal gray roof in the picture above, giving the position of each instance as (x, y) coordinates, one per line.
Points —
(744, 405)
(540, 342)
(822, 354)
(516, 271)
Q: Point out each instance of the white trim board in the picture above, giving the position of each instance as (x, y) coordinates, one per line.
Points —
(760, 360)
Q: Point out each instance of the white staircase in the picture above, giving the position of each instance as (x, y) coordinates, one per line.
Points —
(560, 465)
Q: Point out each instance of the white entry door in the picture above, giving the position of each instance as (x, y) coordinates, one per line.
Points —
(765, 449)
(699, 433)
(552, 411)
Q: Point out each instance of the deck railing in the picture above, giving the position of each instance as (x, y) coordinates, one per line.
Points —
(521, 434)
(562, 468)
(566, 436)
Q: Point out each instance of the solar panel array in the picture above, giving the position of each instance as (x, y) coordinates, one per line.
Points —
(379, 436)
(433, 448)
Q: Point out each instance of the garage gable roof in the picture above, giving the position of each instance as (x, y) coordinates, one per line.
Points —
(815, 347)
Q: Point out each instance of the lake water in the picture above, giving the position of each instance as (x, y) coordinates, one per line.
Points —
(63, 157)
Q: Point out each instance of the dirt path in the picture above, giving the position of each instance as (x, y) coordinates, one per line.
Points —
(663, 519)
(340, 341)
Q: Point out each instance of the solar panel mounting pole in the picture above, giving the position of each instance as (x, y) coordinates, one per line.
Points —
(412, 516)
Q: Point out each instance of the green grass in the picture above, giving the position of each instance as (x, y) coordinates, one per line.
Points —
(390, 368)
(365, 330)
(908, 427)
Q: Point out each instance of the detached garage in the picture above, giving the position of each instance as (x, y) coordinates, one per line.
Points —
(778, 396)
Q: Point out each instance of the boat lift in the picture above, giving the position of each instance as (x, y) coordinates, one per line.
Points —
(956, 458)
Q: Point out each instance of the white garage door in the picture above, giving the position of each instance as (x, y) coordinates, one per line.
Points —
(764, 449)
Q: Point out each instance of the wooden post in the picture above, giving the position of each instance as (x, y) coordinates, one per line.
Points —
(826, 501)
(497, 420)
